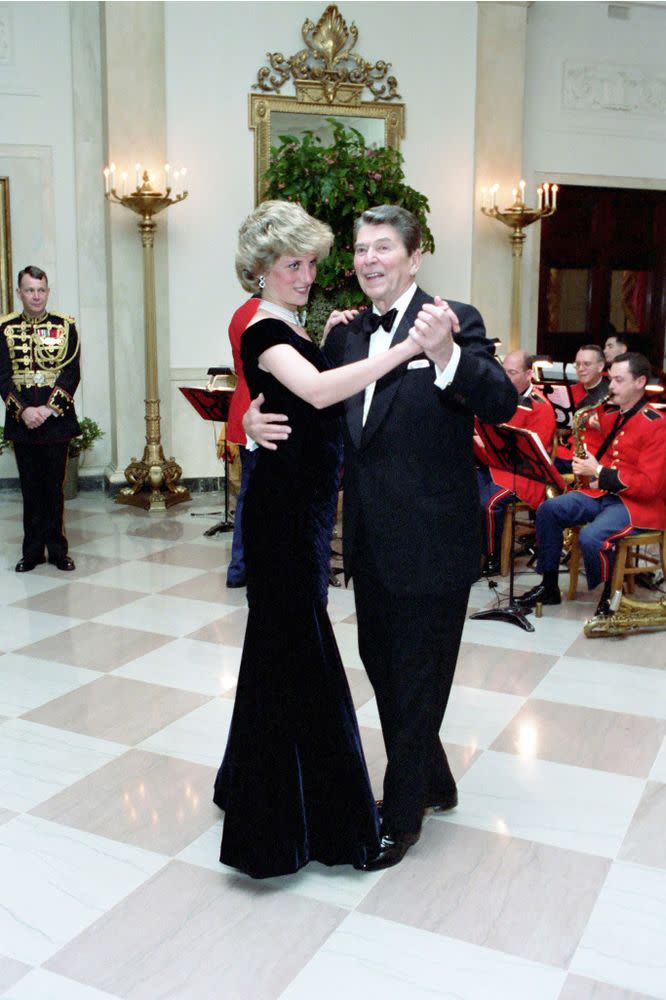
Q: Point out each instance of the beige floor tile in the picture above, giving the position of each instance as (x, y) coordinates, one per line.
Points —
(216, 936)
(171, 531)
(197, 556)
(77, 536)
(118, 709)
(11, 972)
(79, 600)
(230, 630)
(147, 800)
(86, 565)
(512, 895)
(645, 843)
(580, 988)
(210, 587)
(510, 671)
(642, 650)
(96, 646)
(586, 737)
(360, 687)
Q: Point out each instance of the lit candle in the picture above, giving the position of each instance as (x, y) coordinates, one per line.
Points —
(546, 195)
(554, 189)
(484, 197)
(123, 184)
(494, 189)
(167, 177)
(112, 170)
(176, 182)
(521, 186)
(539, 197)
(137, 168)
(183, 173)
(106, 180)
(514, 195)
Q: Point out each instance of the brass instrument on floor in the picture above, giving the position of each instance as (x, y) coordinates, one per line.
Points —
(627, 616)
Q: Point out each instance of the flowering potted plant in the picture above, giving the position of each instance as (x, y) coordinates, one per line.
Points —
(335, 184)
(90, 432)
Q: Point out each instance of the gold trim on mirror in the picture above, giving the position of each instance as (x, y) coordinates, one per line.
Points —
(6, 277)
(262, 108)
(329, 80)
(328, 62)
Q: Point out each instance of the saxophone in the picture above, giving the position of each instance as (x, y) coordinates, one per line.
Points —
(579, 421)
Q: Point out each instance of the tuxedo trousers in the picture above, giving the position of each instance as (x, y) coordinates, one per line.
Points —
(409, 647)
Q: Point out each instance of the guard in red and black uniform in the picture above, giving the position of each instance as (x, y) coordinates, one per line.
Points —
(626, 469)
(496, 486)
(39, 374)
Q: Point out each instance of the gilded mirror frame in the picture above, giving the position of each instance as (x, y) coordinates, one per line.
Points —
(329, 78)
(6, 277)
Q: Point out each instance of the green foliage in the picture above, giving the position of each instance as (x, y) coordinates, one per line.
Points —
(90, 432)
(336, 184)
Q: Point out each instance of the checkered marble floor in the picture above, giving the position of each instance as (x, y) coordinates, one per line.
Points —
(116, 690)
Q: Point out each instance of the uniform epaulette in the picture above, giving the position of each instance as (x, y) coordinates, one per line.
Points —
(54, 312)
(525, 402)
(651, 414)
(538, 399)
(8, 316)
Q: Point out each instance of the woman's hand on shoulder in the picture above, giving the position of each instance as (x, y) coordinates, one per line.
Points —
(339, 316)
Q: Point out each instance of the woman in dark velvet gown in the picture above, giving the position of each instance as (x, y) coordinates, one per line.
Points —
(293, 782)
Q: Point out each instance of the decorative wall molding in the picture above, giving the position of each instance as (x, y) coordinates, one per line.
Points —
(6, 36)
(608, 87)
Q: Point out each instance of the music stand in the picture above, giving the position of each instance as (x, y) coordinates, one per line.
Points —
(212, 403)
(521, 452)
(560, 396)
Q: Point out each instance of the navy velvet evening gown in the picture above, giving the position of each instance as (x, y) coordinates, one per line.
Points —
(293, 782)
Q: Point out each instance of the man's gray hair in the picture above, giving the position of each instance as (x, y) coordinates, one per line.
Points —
(405, 223)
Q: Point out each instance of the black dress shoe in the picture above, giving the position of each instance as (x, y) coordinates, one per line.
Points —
(446, 803)
(392, 849)
(25, 565)
(64, 563)
(603, 607)
(541, 594)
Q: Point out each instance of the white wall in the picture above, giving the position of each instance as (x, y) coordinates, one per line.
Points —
(582, 139)
(213, 53)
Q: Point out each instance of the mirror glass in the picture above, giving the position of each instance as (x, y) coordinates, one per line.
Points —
(288, 123)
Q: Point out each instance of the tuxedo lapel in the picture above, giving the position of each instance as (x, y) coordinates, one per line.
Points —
(356, 349)
(386, 387)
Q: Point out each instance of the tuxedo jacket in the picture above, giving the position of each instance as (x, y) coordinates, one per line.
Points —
(411, 501)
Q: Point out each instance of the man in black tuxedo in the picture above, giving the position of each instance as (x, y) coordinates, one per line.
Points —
(411, 506)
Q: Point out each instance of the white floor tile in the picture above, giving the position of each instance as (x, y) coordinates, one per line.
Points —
(42, 985)
(143, 576)
(200, 736)
(658, 772)
(204, 667)
(26, 682)
(345, 636)
(166, 615)
(120, 546)
(17, 586)
(380, 960)
(571, 807)
(610, 686)
(20, 627)
(56, 881)
(551, 635)
(625, 940)
(38, 761)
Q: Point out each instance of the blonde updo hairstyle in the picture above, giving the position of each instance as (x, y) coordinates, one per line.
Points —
(277, 229)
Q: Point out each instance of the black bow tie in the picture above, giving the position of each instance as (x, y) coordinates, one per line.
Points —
(372, 321)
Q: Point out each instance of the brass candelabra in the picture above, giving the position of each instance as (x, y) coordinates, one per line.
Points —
(518, 217)
(153, 480)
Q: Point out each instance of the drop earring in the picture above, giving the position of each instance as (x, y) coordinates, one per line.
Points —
(262, 281)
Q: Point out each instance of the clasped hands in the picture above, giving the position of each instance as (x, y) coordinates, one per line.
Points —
(35, 416)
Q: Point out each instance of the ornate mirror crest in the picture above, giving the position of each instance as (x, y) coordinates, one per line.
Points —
(329, 79)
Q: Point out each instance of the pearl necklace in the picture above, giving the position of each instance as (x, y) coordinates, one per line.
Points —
(288, 315)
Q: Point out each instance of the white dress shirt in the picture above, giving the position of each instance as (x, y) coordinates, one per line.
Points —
(380, 341)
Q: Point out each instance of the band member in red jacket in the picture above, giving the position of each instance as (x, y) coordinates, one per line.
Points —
(626, 468)
(496, 486)
(592, 387)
